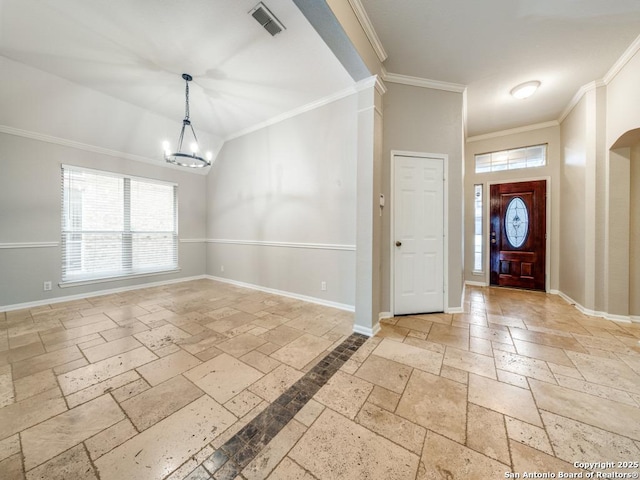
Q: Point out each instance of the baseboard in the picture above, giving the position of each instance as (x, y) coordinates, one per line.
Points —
(97, 293)
(594, 313)
(473, 283)
(454, 310)
(305, 298)
(369, 332)
(383, 315)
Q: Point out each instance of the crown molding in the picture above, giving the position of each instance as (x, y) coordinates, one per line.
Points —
(95, 149)
(622, 61)
(380, 86)
(423, 82)
(300, 110)
(367, 26)
(512, 131)
(578, 96)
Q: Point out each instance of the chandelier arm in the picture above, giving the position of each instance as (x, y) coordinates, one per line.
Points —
(194, 134)
(181, 137)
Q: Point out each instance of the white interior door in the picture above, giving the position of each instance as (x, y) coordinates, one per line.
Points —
(418, 235)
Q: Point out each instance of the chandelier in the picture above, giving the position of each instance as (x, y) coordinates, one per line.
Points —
(179, 157)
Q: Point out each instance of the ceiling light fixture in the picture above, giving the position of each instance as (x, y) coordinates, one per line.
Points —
(525, 90)
(184, 159)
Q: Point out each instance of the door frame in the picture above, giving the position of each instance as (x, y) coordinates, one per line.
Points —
(487, 229)
(445, 160)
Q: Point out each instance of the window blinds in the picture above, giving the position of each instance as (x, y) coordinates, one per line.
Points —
(115, 225)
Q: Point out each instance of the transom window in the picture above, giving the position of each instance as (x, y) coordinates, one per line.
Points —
(116, 225)
(524, 157)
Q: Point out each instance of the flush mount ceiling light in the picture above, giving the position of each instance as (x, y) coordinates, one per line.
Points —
(179, 157)
(525, 90)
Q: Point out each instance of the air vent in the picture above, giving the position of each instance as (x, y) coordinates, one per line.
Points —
(267, 19)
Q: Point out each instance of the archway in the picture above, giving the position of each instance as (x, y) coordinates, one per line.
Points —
(623, 227)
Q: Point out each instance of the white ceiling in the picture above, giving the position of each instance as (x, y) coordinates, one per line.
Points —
(493, 45)
(136, 51)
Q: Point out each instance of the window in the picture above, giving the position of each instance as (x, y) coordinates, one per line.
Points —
(115, 225)
(525, 157)
(477, 231)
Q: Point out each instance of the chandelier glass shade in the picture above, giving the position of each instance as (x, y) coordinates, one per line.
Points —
(180, 157)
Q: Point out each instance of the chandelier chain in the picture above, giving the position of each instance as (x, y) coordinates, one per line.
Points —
(186, 107)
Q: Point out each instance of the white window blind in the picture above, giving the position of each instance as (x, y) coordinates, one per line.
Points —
(115, 225)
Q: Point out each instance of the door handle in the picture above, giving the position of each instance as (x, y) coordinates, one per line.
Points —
(398, 243)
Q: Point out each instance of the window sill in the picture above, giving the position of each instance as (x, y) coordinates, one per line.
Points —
(477, 272)
(79, 283)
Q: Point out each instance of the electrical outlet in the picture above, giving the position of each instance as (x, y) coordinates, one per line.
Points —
(323, 286)
(222, 268)
(46, 286)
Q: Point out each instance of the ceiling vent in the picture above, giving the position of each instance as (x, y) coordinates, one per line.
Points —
(267, 19)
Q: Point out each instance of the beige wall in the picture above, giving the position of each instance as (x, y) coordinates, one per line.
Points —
(294, 183)
(634, 233)
(429, 121)
(623, 98)
(30, 206)
(572, 203)
(548, 135)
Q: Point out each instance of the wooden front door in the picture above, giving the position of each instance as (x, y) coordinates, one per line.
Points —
(518, 234)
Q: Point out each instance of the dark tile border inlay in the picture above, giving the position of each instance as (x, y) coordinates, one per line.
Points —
(228, 461)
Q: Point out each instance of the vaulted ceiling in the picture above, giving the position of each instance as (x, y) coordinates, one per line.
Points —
(136, 50)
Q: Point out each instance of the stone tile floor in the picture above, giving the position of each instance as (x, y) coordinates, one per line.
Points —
(204, 380)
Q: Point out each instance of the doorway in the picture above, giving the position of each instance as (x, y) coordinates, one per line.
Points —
(418, 233)
(518, 234)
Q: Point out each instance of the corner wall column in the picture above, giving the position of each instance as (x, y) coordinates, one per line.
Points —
(367, 304)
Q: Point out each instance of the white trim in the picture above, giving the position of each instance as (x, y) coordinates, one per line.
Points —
(299, 111)
(98, 293)
(263, 243)
(29, 245)
(381, 88)
(95, 149)
(595, 313)
(512, 131)
(578, 96)
(369, 332)
(423, 82)
(635, 318)
(487, 221)
(445, 159)
(304, 298)
(383, 315)
(623, 60)
(459, 309)
(369, 31)
(471, 283)
(192, 240)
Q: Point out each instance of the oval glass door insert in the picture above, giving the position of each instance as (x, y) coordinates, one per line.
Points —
(516, 222)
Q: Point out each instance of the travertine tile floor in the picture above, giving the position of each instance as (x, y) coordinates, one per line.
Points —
(161, 382)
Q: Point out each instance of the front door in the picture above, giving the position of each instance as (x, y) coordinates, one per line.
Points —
(518, 234)
(418, 235)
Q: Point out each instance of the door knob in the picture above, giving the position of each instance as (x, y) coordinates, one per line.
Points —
(398, 243)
